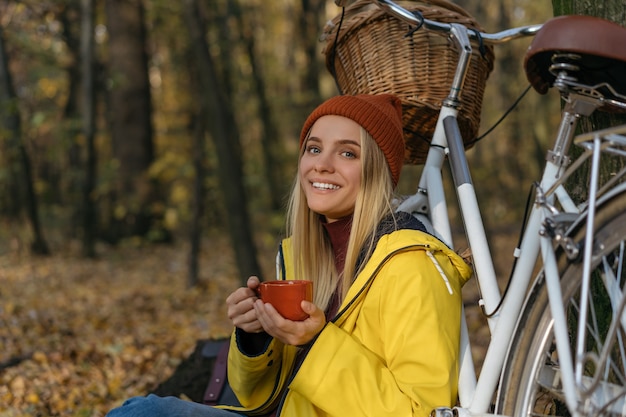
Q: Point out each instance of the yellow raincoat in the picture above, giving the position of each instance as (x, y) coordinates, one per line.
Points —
(392, 350)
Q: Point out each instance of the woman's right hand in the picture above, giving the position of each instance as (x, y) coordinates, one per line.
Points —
(241, 307)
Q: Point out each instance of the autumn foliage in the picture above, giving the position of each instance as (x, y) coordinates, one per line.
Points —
(79, 336)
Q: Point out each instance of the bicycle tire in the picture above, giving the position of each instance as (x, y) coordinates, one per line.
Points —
(530, 384)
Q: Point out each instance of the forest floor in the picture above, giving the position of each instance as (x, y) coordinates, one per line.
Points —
(78, 336)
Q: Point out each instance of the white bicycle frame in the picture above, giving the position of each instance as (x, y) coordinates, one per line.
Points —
(476, 395)
(429, 204)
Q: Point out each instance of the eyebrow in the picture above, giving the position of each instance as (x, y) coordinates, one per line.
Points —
(340, 141)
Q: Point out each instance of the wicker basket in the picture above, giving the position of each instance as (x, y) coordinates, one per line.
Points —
(372, 54)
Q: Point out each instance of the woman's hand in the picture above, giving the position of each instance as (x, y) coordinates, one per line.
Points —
(241, 311)
(290, 332)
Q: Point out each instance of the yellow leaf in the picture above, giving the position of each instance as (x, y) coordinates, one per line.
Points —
(40, 357)
(114, 385)
(32, 398)
(9, 307)
(18, 385)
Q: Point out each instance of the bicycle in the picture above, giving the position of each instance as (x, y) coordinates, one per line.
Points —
(557, 341)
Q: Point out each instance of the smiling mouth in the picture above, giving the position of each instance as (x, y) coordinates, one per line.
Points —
(325, 186)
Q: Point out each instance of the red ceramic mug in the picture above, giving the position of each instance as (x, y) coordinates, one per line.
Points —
(286, 296)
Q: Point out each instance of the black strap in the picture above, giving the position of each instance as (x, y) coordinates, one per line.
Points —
(218, 375)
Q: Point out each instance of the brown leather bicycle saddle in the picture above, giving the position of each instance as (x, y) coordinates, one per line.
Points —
(596, 46)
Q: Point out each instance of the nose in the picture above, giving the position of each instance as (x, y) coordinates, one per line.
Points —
(324, 163)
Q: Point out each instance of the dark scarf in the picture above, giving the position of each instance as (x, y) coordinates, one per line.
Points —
(338, 232)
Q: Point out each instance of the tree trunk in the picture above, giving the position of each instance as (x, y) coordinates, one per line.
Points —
(198, 130)
(18, 159)
(615, 11)
(195, 236)
(10, 137)
(310, 24)
(88, 126)
(130, 113)
(71, 17)
(271, 146)
(225, 136)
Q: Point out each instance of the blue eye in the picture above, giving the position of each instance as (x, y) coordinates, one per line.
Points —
(313, 149)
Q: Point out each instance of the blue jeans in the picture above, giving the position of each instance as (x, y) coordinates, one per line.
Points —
(154, 406)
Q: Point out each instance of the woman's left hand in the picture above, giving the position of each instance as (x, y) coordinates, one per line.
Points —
(287, 331)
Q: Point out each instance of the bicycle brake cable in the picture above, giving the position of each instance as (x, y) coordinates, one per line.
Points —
(515, 258)
(515, 103)
(481, 44)
(419, 16)
(332, 69)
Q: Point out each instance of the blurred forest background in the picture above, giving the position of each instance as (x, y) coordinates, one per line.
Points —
(146, 149)
(168, 121)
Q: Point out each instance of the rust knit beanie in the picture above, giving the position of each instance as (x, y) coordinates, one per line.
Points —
(379, 114)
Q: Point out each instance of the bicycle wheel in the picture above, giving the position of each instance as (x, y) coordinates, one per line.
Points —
(531, 380)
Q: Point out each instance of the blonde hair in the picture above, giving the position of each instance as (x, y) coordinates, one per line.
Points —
(312, 252)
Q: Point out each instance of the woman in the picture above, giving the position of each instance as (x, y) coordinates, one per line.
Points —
(382, 337)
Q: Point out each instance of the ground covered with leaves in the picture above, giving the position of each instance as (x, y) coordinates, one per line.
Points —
(79, 336)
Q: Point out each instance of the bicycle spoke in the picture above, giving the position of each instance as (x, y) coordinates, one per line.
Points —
(612, 287)
(536, 385)
(602, 389)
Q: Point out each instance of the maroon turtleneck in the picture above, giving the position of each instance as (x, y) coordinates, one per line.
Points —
(339, 233)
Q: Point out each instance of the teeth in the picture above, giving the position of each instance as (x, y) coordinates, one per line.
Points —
(325, 186)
